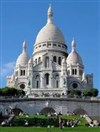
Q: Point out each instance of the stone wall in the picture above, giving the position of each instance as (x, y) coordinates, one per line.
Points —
(63, 105)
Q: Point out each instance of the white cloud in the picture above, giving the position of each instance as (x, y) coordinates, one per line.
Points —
(6, 69)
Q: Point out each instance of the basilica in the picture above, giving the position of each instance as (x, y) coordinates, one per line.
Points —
(51, 70)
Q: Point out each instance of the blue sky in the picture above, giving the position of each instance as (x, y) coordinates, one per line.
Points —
(22, 19)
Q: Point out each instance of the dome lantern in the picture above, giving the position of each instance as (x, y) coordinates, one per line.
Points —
(73, 45)
(24, 46)
(50, 15)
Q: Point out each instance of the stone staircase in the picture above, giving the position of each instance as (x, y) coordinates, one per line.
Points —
(87, 118)
(9, 119)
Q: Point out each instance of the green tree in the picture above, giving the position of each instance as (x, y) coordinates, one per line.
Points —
(94, 92)
(0, 91)
(91, 92)
(6, 91)
(75, 92)
(85, 93)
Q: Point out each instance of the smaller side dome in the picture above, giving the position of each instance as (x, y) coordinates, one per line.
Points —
(23, 58)
(74, 58)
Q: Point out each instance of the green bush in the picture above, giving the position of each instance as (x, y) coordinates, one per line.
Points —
(44, 121)
(91, 92)
(74, 92)
(35, 121)
(11, 92)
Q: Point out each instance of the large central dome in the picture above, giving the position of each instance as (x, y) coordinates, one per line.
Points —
(50, 32)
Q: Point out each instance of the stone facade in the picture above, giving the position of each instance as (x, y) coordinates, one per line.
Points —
(51, 71)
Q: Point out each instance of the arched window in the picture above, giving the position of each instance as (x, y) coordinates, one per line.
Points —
(75, 71)
(57, 81)
(47, 78)
(37, 84)
(59, 60)
(39, 59)
(72, 71)
(54, 59)
(47, 61)
(22, 73)
(37, 81)
(57, 84)
(35, 61)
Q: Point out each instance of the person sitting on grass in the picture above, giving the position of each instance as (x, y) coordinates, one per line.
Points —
(26, 123)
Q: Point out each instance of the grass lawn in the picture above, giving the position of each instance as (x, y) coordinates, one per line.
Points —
(44, 129)
(80, 128)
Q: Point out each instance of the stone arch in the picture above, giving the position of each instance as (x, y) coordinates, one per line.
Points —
(79, 111)
(47, 110)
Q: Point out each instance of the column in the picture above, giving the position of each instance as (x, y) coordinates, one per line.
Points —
(42, 81)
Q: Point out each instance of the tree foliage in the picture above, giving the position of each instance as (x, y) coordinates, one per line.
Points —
(6, 91)
(91, 92)
(74, 92)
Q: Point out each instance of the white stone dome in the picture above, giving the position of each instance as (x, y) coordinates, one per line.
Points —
(23, 58)
(50, 32)
(74, 58)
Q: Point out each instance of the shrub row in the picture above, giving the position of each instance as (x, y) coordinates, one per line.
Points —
(35, 121)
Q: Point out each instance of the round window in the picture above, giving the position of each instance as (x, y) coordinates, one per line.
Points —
(74, 85)
(22, 86)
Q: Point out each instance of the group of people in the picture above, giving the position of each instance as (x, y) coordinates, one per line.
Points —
(68, 123)
(94, 123)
